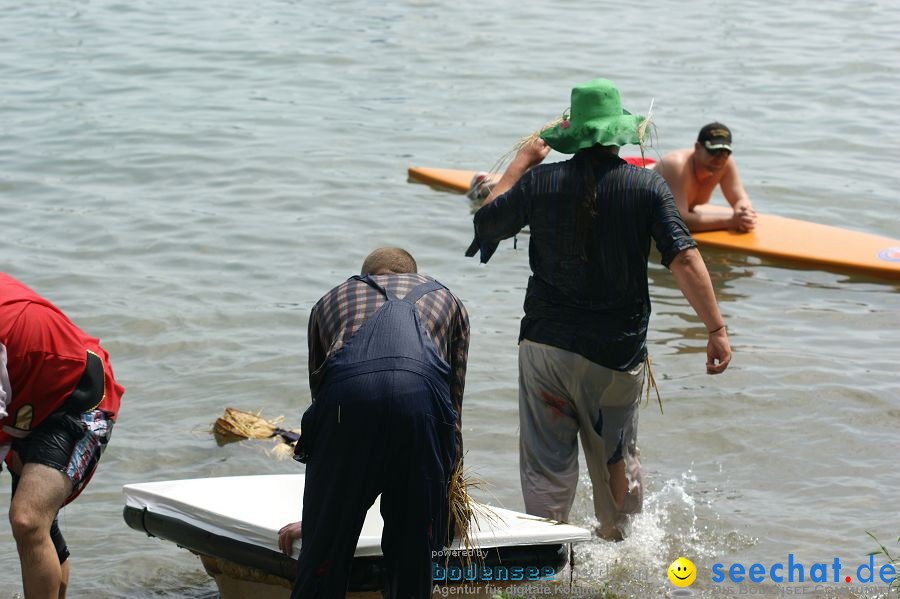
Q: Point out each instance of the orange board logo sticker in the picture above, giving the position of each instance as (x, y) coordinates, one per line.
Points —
(890, 254)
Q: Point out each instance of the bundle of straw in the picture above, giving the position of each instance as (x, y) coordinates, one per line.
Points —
(237, 425)
(464, 510)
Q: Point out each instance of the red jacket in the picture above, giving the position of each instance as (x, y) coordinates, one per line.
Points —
(46, 357)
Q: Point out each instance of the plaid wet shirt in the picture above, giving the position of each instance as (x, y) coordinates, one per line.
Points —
(342, 311)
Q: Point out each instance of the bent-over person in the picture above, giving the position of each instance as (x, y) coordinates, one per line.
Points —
(58, 402)
(387, 364)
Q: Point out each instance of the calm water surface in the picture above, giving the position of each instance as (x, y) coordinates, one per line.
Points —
(185, 181)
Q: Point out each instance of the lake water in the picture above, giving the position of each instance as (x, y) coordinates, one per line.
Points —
(185, 181)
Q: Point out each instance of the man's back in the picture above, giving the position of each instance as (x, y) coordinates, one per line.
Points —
(46, 354)
(343, 310)
(387, 360)
(591, 300)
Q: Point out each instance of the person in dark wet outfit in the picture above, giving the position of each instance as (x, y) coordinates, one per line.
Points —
(587, 307)
(387, 361)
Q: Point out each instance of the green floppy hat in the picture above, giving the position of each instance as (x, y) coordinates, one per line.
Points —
(596, 117)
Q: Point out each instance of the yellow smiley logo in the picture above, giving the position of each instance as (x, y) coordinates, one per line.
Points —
(682, 572)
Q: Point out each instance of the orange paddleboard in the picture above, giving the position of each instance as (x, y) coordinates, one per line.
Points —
(450, 178)
(798, 241)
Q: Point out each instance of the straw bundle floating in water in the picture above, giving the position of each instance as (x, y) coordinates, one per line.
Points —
(237, 425)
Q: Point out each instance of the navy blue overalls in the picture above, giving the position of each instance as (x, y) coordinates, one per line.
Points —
(382, 422)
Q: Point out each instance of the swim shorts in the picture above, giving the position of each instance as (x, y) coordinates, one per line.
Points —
(70, 443)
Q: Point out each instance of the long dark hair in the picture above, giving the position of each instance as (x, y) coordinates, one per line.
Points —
(589, 202)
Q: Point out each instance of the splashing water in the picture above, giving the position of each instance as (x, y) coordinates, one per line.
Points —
(670, 526)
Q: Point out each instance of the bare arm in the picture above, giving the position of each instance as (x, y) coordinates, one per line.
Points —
(693, 280)
(528, 156)
(733, 189)
(698, 220)
(744, 216)
(674, 169)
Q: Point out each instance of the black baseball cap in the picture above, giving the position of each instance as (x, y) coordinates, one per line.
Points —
(715, 136)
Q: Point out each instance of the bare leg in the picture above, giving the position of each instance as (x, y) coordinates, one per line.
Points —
(64, 579)
(618, 483)
(40, 494)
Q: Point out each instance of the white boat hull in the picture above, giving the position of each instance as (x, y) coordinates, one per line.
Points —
(233, 523)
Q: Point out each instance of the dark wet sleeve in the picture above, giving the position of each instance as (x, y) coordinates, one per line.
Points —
(459, 354)
(667, 227)
(501, 219)
(317, 351)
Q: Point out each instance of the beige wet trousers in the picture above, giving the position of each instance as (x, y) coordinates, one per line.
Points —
(563, 395)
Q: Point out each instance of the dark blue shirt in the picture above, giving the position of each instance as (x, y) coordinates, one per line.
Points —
(590, 298)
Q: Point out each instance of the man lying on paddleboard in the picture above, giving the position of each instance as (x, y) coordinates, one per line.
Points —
(692, 175)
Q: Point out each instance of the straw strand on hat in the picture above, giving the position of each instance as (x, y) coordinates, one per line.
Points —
(642, 128)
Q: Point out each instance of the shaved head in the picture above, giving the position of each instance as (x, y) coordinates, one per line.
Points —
(388, 260)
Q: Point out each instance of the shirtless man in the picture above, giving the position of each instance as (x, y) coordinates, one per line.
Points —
(692, 175)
